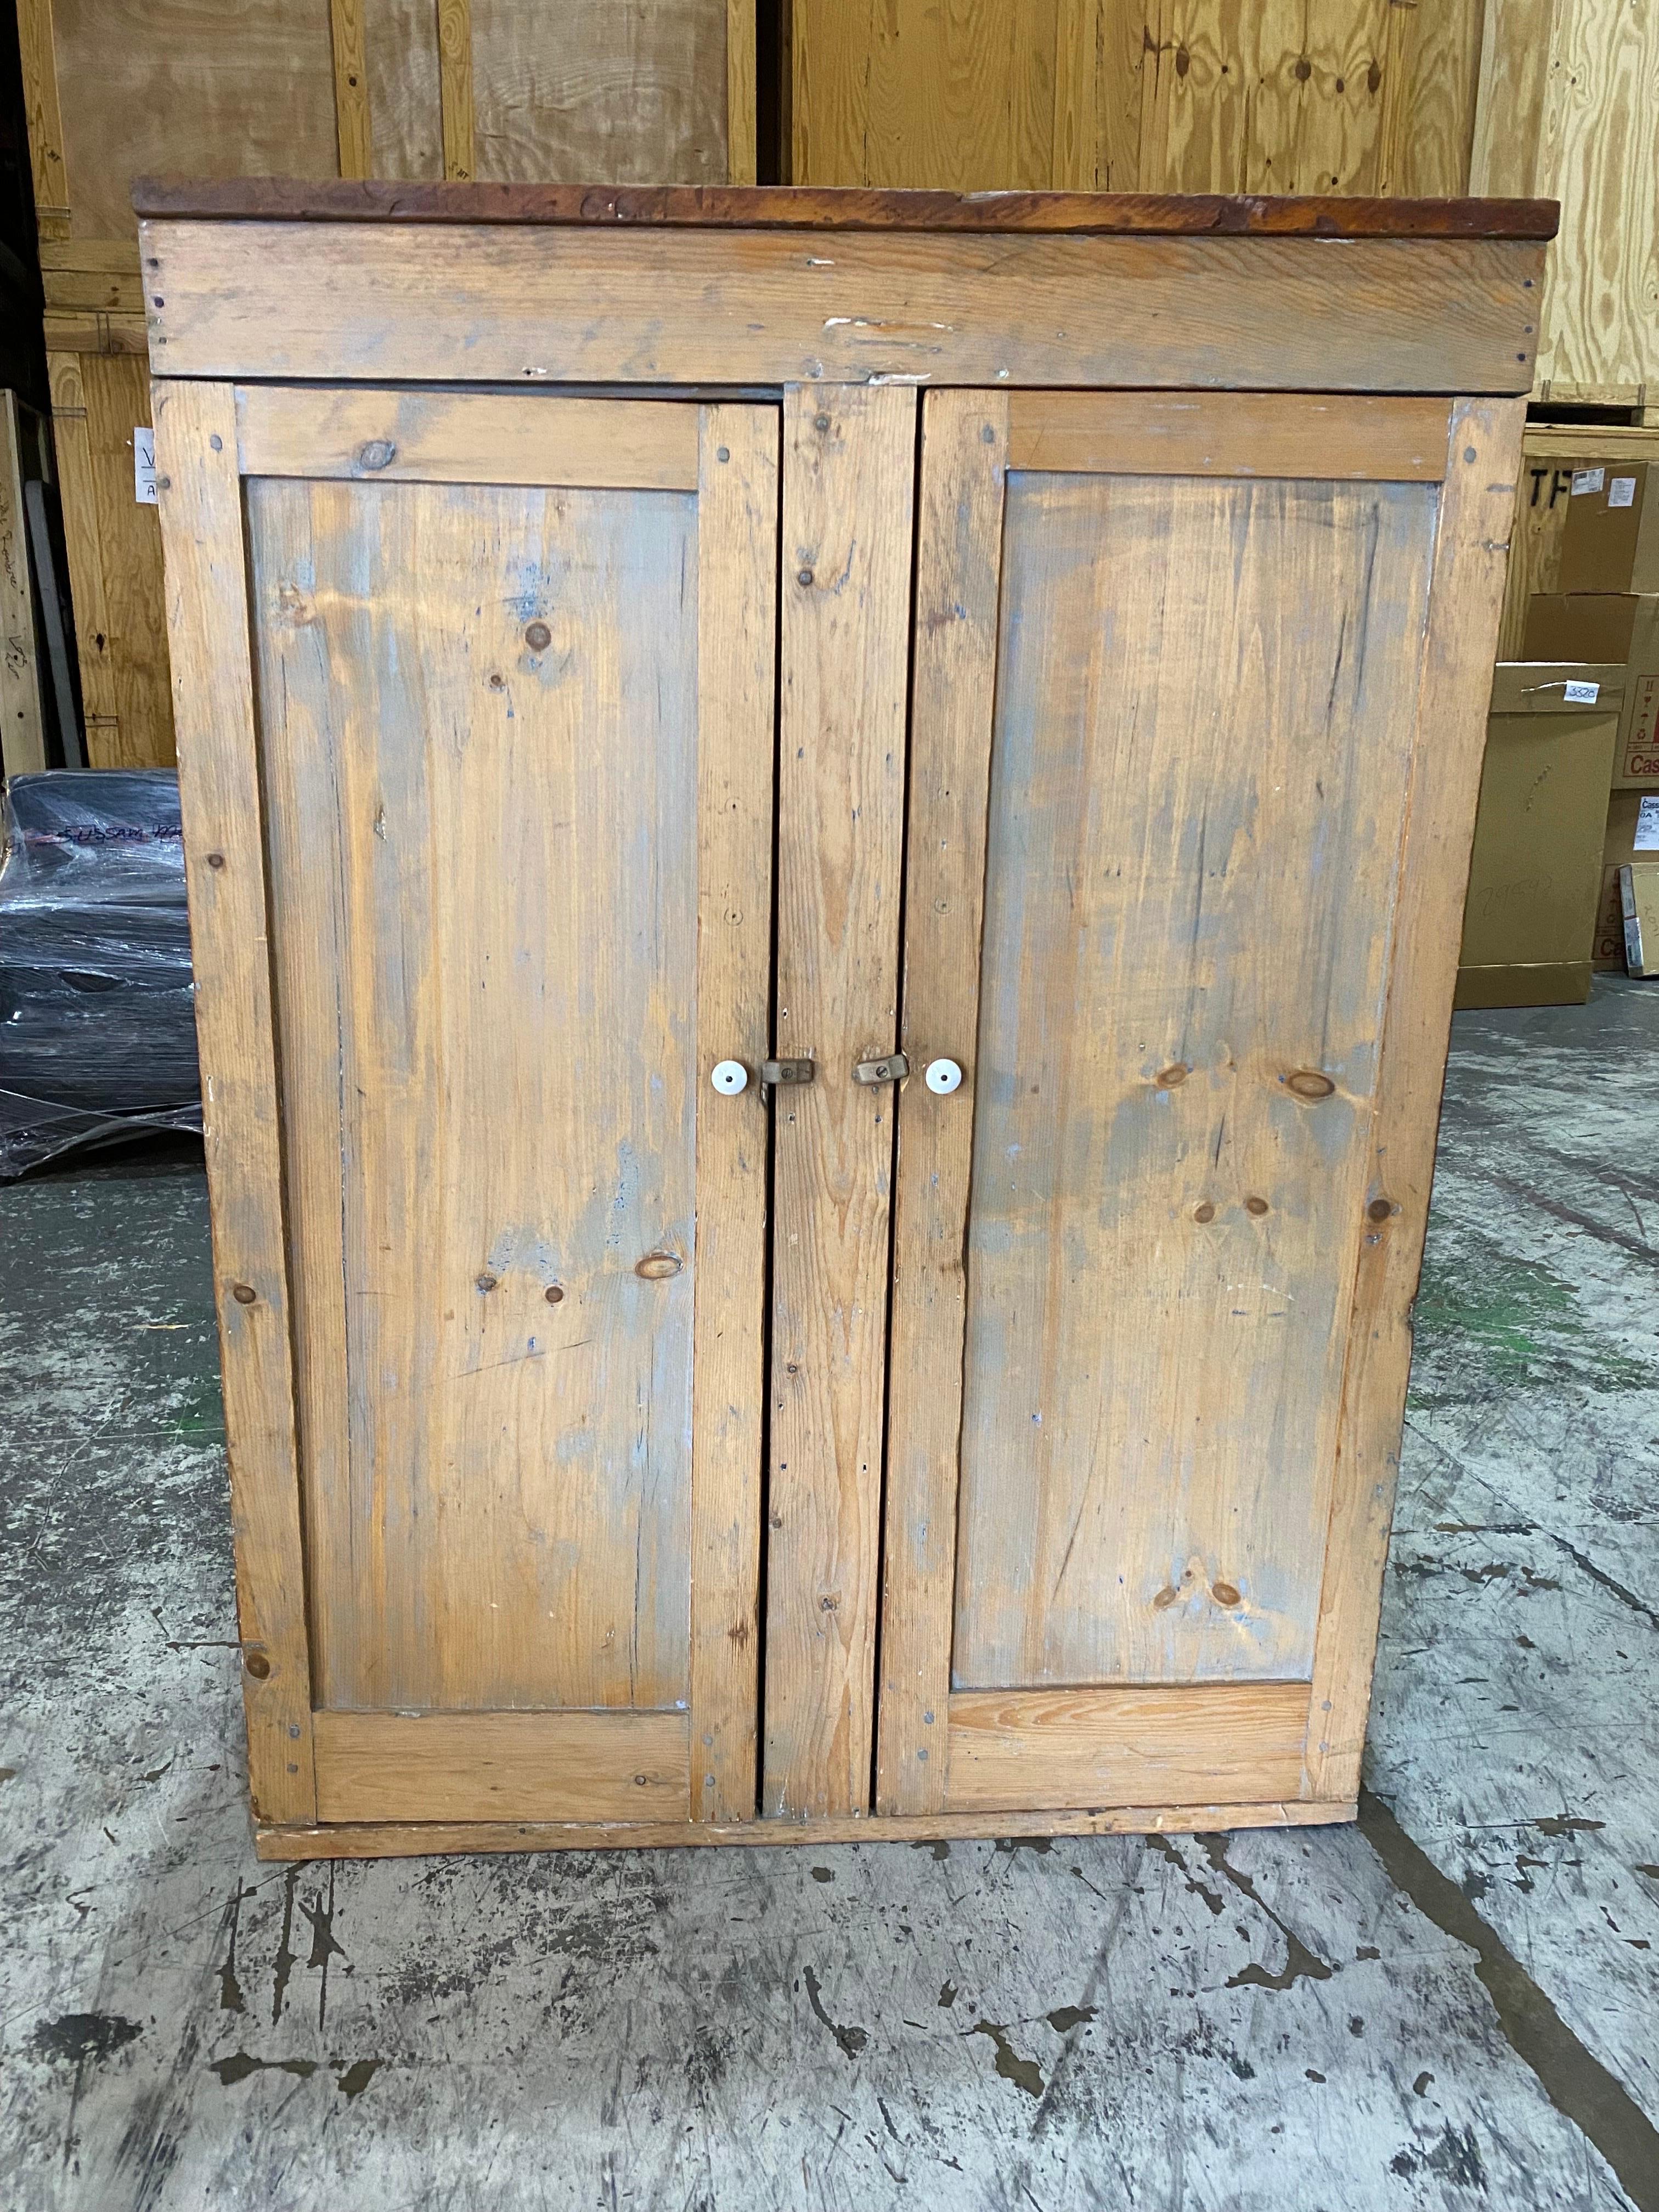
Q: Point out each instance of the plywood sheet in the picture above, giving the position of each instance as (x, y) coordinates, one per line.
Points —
(243, 89)
(612, 94)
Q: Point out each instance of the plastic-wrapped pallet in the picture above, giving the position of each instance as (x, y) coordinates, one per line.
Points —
(97, 1018)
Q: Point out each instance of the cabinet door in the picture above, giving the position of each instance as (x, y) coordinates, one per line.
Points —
(1182, 663)
(513, 679)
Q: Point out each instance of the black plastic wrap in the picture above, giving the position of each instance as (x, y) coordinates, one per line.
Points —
(97, 1014)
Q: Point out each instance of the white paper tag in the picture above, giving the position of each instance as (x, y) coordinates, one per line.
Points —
(1646, 839)
(1580, 694)
(1621, 492)
(143, 466)
(1585, 480)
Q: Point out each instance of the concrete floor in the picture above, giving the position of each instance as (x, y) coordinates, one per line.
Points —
(1452, 2005)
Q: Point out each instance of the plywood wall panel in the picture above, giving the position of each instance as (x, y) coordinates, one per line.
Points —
(245, 87)
(629, 94)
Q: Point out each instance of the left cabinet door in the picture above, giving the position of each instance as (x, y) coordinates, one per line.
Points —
(477, 714)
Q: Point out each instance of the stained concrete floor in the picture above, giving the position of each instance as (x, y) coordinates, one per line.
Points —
(1452, 2005)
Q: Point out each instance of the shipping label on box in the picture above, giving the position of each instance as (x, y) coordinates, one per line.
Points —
(1638, 760)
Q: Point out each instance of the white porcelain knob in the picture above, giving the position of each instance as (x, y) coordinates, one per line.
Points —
(730, 1076)
(943, 1076)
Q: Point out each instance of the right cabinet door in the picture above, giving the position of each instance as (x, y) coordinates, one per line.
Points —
(1170, 649)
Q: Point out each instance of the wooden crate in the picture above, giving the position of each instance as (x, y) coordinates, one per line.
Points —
(661, 91)
(1569, 109)
(1363, 96)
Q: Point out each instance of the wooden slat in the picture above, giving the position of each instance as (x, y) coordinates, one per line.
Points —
(117, 256)
(22, 737)
(411, 1839)
(351, 111)
(793, 207)
(737, 691)
(1484, 453)
(78, 494)
(1131, 1746)
(505, 1766)
(953, 684)
(90, 329)
(70, 291)
(1266, 435)
(384, 299)
(850, 459)
(455, 89)
(220, 803)
(44, 118)
(466, 438)
(741, 120)
(131, 639)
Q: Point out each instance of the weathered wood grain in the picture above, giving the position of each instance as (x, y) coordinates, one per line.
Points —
(1466, 593)
(220, 803)
(412, 1840)
(466, 438)
(737, 697)
(1207, 695)
(953, 684)
(503, 304)
(1266, 435)
(500, 1766)
(1116, 214)
(1012, 1750)
(848, 469)
(483, 799)
(456, 91)
(43, 117)
(352, 120)
(23, 730)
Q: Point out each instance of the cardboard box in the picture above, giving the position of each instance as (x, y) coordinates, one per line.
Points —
(1535, 869)
(1609, 626)
(1610, 537)
(1632, 834)
(1638, 897)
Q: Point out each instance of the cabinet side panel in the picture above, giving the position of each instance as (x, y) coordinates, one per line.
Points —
(1465, 597)
(848, 471)
(219, 805)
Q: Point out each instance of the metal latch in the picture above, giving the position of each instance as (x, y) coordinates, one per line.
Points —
(893, 1069)
(785, 1071)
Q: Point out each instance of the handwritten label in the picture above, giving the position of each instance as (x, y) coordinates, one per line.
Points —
(143, 466)
(1580, 694)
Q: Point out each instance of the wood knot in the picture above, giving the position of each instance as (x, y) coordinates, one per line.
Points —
(1166, 1597)
(1170, 1079)
(1204, 1212)
(1224, 1593)
(1379, 1209)
(537, 636)
(554, 1294)
(256, 1665)
(244, 1293)
(487, 1283)
(1256, 1205)
(1308, 1082)
(657, 1267)
(376, 454)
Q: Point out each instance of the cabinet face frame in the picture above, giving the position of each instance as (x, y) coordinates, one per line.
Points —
(697, 1763)
(862, 331)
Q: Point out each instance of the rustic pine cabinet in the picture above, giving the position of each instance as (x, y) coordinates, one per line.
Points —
(826, 835)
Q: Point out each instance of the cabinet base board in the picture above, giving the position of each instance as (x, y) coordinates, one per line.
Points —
(412, 1840)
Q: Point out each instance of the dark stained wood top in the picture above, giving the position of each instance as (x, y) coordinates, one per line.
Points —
(1174, 215)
